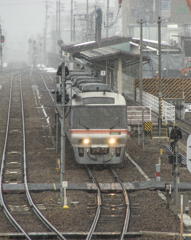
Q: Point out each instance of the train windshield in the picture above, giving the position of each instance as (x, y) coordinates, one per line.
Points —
(99, 117)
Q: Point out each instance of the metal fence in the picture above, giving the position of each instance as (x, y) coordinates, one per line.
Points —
(168, 110)
(135, 114)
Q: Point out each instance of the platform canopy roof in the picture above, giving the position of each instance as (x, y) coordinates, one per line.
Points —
(105, 42)
(106, 53)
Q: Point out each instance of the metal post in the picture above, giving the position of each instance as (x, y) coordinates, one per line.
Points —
(74, 31)
(143, 130)
(176, 174)
(87, 21)
(159, 72)
(59, 20)
(107, 19)
(63, 134)
(160, 87)
(167, 189)
(71, 26)
(56, 20)
(45, 34)
(119, 75)
(141, 61)
(181, 222)
(56, 120)
(138, 133)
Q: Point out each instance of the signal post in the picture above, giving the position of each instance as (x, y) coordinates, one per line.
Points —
(175, 160)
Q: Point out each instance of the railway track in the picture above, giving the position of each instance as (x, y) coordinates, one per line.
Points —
(73, 222)
(184, 126)
(113, 209)
(14, 167)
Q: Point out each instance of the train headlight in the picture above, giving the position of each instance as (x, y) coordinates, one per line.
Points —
(86, 141)
(112, 140)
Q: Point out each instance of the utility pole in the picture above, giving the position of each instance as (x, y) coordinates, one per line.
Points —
(159, 70)
(160, 87)
(74, 29)
(98, 26)
(107, 19)
(45, 35)
(141, 62)
(57, 26)
(71, 26)
(87, 21)
(34, 54)
(63, 134)
(59, 21)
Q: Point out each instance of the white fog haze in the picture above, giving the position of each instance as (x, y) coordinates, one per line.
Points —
(24, 21)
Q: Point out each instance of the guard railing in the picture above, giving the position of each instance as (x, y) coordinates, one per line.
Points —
(168, 110)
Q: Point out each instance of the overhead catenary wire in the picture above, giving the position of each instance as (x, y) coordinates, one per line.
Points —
(114, 20)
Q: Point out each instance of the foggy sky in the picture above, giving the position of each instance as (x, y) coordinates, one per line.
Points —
(24, 19)
(20, 19)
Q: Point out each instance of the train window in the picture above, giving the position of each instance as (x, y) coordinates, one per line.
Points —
(99, 117)
(98, 100)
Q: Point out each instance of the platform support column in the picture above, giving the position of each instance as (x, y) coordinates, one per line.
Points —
(120, 75)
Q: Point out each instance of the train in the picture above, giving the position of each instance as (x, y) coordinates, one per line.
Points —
(95, 120)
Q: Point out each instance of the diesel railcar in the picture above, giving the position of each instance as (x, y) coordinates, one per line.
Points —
(96, 122)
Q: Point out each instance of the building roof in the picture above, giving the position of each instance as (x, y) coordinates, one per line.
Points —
(151, 45)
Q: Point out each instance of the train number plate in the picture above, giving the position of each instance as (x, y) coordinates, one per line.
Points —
(115, 133)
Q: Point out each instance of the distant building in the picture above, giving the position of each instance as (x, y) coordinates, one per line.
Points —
(171, 11)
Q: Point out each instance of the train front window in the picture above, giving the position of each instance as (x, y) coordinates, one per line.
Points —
(96, 117)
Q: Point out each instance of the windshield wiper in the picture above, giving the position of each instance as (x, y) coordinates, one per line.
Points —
(115, 123)
(84, 126)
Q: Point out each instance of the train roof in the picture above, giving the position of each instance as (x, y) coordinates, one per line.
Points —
(73, 74)
(79, 78)
(98, 98)
(94, 87)
(84, 81)
(87, 90)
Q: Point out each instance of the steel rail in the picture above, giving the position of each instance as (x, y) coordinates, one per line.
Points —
(184, 129)
(182, 120)
(183, 158)
(5, 209)
(31, 203)
(99, 203)
(47, 88)
(127, 214)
